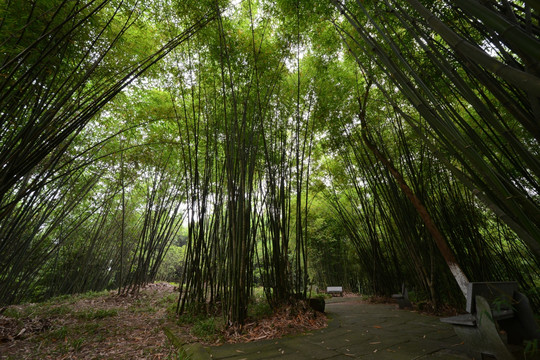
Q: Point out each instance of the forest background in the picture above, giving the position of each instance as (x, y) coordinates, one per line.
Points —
(227, 145)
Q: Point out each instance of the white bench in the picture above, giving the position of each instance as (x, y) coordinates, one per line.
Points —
(335, 290)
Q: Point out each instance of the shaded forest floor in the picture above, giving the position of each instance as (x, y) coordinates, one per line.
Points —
(106, 326)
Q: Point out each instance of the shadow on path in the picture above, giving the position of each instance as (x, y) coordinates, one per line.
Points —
(356, 331)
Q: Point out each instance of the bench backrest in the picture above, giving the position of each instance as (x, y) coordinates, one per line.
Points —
(404, 290)
(497, 293)
(334, 289)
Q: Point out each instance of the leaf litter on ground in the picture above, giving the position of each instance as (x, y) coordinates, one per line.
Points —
(106, 325)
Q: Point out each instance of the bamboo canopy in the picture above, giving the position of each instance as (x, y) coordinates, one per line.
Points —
(275, 144)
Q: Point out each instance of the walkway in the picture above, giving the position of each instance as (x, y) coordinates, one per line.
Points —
(356, 331)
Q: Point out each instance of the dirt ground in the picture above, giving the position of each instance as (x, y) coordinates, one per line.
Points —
(107, 326)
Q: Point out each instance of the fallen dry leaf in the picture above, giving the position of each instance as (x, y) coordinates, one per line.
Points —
(134, 332)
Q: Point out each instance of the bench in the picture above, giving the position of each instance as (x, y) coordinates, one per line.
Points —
(335, 290)
(490, 304)
(403, 298)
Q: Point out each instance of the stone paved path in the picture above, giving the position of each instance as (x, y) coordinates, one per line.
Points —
(356, 331)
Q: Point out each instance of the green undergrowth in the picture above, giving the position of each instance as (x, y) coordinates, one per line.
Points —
(67, 326)
(71, 325)
(71, 339)
(92, 314)
(168, 300)
(259, 308)
(532, 350)
(37, 310)
(207, 327)
(45, 311)
(73, 298)
(144, 305)
(57, 306)
(206, 322)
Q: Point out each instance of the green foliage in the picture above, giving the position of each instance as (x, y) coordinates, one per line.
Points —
(172, 265)
(259, 309)
(205, 328)
(332, 258)
(531, 350)
(247, 137)
(502, 303)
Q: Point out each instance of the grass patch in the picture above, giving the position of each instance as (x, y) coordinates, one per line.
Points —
(73, 298)
(52, 307)
(149, 309)
(59, 299)
(204, 328)
(142, 305)
(13, 313)
(76, 344)
(36, 310)
(89, 328)
(96, 314)
(259, 309)
(187, 318)
(72, 325)
(258, 306)
(168, 300)
(57, 335)
(25, 311)
(171, 313)
(58, 310)
(190, 315)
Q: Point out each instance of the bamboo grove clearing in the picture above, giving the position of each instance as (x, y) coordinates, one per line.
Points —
(228, 145)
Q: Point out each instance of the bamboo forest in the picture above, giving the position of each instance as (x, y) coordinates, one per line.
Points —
(259, 149)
